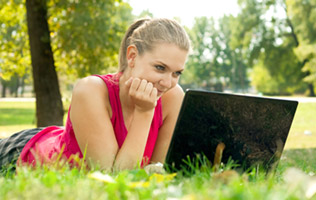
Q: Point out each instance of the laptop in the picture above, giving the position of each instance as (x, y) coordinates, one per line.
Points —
(253, 130)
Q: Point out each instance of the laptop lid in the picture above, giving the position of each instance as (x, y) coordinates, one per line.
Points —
(253, 129)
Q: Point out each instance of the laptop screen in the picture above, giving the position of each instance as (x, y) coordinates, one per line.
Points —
(253, 129)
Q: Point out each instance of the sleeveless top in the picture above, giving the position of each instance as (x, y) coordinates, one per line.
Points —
(54, 143)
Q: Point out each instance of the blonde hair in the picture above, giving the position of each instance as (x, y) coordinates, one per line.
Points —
(145, 33)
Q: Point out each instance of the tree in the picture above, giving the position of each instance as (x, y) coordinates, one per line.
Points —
(49, 107)
(214, 63)
(302, 16)
(199, 62)
(84, 38)
(86, 35)
(267, 41)
(14, 45)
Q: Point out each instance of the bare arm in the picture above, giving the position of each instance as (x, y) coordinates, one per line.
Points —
(90, 114)
(171, 104)
(90, 117)
(144, 98)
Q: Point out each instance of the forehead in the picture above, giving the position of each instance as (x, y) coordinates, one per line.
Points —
(169, 54)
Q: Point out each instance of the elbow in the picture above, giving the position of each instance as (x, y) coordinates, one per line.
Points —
(126, 162)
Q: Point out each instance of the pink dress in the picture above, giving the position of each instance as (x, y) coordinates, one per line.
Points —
(57, 142)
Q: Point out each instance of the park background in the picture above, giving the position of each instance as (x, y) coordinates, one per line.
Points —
(265, 47)
(258, 47)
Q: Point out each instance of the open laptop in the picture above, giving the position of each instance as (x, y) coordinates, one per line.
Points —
(253, 129)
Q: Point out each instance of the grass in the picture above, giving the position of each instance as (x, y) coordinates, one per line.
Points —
(45, 183)
(304, 122)
(18, 115)
(66, 183)
(15, 116)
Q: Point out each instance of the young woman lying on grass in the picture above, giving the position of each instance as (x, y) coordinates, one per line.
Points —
(119, 120)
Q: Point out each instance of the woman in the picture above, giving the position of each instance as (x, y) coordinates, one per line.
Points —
(121, 120)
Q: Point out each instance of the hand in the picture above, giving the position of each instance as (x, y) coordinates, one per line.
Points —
(143, 94)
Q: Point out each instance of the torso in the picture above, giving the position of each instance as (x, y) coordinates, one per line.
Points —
(58, 137)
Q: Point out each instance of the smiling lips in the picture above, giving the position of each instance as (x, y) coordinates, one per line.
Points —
(160, 92)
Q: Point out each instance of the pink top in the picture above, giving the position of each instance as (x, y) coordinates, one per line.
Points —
(46, 145)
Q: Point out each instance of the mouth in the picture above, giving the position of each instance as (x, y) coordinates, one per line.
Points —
(160, 92)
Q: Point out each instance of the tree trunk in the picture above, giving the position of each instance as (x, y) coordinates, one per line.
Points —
(4, 88)
(22, 86)
(311, 90)
(49, 108)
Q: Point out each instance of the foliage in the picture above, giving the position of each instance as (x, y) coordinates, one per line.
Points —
(303, 15)
(199, 60)
(85, 36)
(228, 54)
(262, 80)
(271, 46)
(277, 35)
(213, 64)
(14, 45)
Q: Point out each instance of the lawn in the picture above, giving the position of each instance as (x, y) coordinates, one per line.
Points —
(303, 130)
(15, 116)
(18, 115)
(65, 183)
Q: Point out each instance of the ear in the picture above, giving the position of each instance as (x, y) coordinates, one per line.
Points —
(131, 54)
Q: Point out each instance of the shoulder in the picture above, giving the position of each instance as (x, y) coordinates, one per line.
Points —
(91, 90)
(172, 100)
(91, 86)
(91, 83)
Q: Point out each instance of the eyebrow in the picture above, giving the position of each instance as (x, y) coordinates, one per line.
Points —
(161, 63)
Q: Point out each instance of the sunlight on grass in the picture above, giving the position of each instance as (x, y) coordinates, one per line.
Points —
(303, 130)
(18, 115)
(7, 130)
(66, 183)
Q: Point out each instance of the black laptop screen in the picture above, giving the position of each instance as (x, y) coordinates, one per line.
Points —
(253, 129)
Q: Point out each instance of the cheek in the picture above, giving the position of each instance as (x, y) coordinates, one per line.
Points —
(175, 81)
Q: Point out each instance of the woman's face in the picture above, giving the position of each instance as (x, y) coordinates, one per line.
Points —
(162, 66)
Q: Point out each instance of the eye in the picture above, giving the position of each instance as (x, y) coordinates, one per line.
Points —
(178, 73)
(160, 67)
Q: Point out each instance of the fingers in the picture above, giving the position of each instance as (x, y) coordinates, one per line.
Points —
(134, 86)
(141, 86)
(143, 93)
(154, 93)
(149, 88)
(129, 82)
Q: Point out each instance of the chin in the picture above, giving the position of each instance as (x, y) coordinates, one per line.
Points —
(159, 94)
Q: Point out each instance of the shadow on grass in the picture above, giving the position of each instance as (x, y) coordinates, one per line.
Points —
(17, 116)
(304, 159)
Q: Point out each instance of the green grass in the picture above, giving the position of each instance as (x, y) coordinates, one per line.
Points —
(304, 120)
(16, 116)
(65, 183)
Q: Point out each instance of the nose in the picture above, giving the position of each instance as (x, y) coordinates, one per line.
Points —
(166, 81)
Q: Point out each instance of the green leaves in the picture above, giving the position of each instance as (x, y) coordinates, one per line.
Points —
(85, 36)
(14, 47)
(303, 16)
